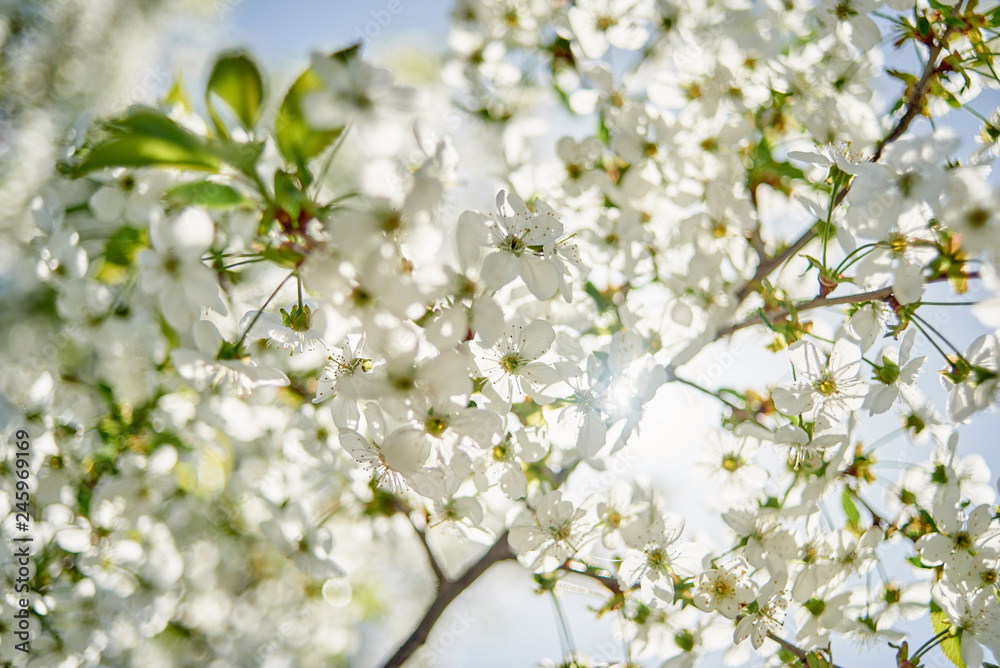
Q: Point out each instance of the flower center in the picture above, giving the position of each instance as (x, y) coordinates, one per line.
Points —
(963, 541)
(500, 452)
(898, 244)
(844, 11)
(826, 385)
(731, 462)
(362, 298)
(171, 263)
(562, 532)
(511, 362)
(513, 245)
(657, 560)
(977, 218)
(436, 425)
(905, 183)
(722, 588)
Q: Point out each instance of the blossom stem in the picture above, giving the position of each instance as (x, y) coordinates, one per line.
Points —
(564, 630)
(939, 334)
(930, 644)
(252, 260)
(712, 393)
(243, 337)
(948, 303)
(845, 265)
(318, 183)
(933, 342)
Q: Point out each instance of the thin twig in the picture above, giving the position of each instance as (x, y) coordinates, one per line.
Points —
(435, 566)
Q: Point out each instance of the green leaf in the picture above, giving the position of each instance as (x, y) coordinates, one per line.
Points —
(120, 253)
(241, 155)
(144, 137)
(124, 245)
(850, 509)
(765, 170)
(816, 661)
(528, 412)
(282, 256)
(236, 80)
(298, 142)
(207, 194)
(178, 96)
(288, 195)
(603, 303)
(602, 129)
(950, 647)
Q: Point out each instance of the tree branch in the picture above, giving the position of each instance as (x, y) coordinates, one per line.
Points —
(768, 265)
(607, 581)
(873, 296)
(913, 107)
(448, 591)
(882, 294)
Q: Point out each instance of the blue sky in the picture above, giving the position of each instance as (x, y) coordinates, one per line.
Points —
(284, 33)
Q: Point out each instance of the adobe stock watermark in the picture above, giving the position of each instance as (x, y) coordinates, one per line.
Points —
(381, 20)
(722, 362)
(446, 635)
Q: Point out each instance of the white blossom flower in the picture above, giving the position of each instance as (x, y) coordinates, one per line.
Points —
(599, 23)
(511, 364)
(364, 96)
(726, 588)
(969, 207)
(172, 268)
(212, 363)
(549, 532)
(976, 615)
(765, 615)
(900, 254)
(829, 389)
(297, 330)
(896, 373)
(523, 244)
(398, 458)
(959, 538)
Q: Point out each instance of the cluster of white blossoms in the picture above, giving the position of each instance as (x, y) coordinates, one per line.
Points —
(268, 365)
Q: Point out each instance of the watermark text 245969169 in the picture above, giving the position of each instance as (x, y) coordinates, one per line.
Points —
(23, 518)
